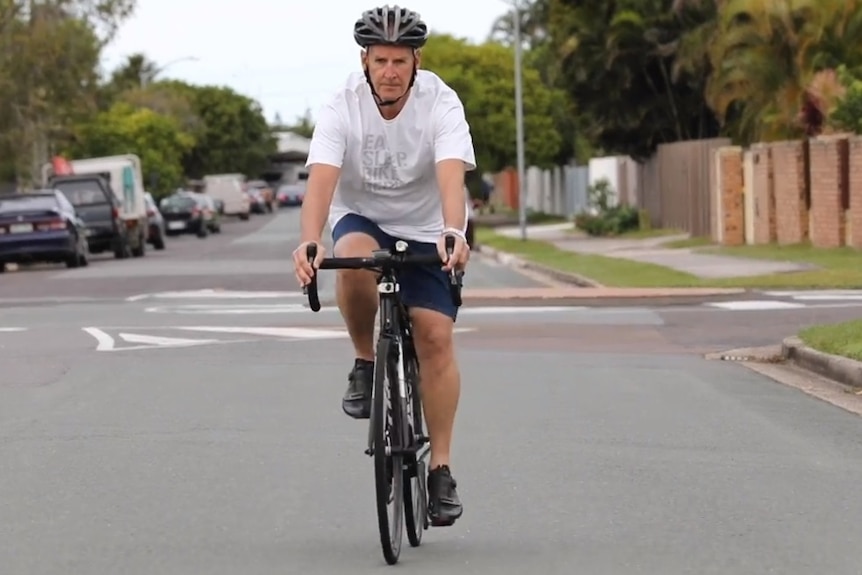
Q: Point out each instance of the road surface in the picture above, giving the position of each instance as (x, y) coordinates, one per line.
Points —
(181, 415)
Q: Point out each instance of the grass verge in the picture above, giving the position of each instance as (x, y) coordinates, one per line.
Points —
(607, 271)
(843, 339)
(841, 268)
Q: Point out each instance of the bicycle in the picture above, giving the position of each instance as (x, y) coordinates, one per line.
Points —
(396, 438)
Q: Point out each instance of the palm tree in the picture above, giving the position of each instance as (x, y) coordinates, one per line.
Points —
(533, 23)
(766, 55)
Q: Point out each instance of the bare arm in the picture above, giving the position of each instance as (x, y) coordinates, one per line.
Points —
(450, 180)
(325, 156)
(322, 179)
(453, 154)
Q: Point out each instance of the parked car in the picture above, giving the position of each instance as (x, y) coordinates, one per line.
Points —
(99, 207)
(41, 226)
(290, 194)
(257, 202)
(261, 196)
(212, 216)
(183, 214)
(156, 234)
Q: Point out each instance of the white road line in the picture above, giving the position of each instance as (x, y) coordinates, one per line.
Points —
(253, 309)
(288, 332)
(756, 305)
(215, 294)
(12, 329)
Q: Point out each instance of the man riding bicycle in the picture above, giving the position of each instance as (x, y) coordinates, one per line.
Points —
(387, 162)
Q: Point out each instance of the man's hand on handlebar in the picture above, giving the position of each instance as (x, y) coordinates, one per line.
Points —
(460, 253)
(302, 267)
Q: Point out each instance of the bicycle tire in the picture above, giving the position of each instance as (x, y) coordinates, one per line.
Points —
(387, 467)
(415, 475)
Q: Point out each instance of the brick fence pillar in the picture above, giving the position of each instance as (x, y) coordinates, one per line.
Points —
(764, 195)
(829, 192)
(855, 191)
(791, 191)
(730, 196)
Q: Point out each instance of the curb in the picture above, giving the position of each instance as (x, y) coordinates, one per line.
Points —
(841, 369)
(516, 262)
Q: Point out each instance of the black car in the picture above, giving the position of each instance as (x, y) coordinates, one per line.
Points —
(183, 214)
(290, 194)
(96, 204)
(41, 227)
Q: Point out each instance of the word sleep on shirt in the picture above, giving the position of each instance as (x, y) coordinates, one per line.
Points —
(388, 166)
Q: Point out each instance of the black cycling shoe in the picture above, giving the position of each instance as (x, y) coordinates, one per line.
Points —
(357, 399)
(444, 506)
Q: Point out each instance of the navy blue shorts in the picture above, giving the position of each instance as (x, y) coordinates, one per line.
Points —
(421, 286)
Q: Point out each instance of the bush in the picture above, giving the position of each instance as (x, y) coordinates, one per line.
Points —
(602, 219)
(847, 114)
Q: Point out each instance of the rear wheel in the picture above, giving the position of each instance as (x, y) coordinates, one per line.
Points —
(386, 417)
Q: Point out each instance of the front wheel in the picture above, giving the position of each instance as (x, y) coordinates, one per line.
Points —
(415, 473)
(388, 475)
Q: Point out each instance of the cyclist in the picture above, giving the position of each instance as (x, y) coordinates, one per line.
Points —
(387, 161)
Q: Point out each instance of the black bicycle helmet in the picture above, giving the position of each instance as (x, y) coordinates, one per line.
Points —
(391, 25)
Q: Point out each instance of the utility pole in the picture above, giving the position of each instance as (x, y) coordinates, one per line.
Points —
(519, 122)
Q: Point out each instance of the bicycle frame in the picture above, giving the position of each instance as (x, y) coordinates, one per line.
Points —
(394, 323)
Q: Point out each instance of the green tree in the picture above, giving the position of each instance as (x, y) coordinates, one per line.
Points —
(231, 135)
(767, 59)
(483, 76)
(49, 55)
(533, 23)
(618, 65)
(157, 139)
(130, 76)
(847, 114)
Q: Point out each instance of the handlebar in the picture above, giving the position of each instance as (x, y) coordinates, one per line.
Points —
(385, 259)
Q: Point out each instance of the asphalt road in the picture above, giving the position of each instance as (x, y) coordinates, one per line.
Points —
(144, 431)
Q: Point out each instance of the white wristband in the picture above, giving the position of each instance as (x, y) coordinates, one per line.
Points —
(454, 232)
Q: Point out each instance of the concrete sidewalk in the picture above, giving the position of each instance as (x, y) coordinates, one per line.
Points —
(650, 250)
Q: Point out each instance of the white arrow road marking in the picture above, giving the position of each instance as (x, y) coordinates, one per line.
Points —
(152, 340)
(104, 341)
(107, 343)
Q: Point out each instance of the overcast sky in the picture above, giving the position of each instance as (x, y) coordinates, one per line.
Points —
(288, 55)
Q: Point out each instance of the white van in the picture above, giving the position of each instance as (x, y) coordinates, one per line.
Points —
(230, 189)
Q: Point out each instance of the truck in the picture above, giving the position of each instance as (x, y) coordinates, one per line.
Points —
(124, 177)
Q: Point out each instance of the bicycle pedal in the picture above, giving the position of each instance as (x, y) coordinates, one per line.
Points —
(422, 439)
(369, 451)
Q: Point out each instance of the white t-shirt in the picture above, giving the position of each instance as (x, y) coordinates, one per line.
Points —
(388, 166)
